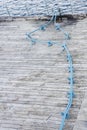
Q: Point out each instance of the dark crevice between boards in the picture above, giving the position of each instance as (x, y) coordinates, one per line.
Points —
(60, 18)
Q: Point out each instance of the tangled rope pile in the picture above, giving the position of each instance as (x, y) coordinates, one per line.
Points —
(71, 95)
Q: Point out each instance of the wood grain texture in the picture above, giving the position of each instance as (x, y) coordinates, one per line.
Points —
(17, 8)
(33, 79)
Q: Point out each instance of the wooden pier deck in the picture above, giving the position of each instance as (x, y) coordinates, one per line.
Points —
(27, 8)
(33, 79)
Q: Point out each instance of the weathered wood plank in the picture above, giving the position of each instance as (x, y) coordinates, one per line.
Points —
(42, 7)
(33, 80)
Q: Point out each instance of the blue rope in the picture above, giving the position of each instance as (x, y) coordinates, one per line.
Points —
(43, 28)
(70, 94)
(59, 28)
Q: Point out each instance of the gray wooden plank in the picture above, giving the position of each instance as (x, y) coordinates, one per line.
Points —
(33, 80)
(42, 7)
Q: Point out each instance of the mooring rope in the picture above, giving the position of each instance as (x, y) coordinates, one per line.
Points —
(70, 94)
